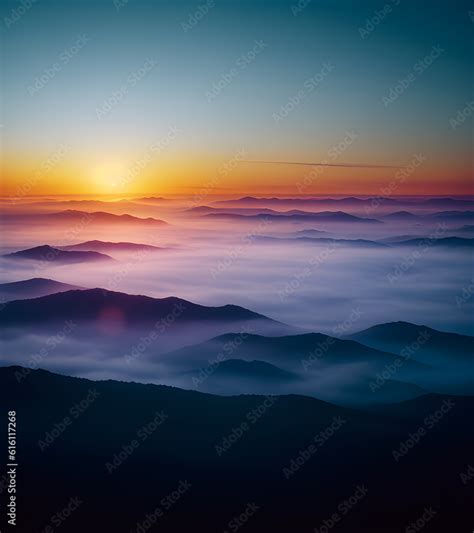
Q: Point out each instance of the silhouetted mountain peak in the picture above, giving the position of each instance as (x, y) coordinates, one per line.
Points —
(100, 304)
(50, 254)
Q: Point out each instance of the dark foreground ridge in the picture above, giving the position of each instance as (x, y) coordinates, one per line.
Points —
(127, 455)
(91, 304)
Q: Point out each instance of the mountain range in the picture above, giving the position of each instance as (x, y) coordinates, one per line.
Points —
(104, 308)
(33, 288)
(71, 216)
(46, 253)
(420, 342)
(357, 243)
(110, 247)
(298, 216)
(348, 201)
(177, 456)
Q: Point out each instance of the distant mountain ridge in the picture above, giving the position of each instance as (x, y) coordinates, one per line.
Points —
(99, 304)
(301, 216)
(74, 216)
(197, 447)
(351, 200)
(33, 288)
(46, 253)
(301, 352)
(442, 241)
(357, 243)
(430, 345)
(110, 247)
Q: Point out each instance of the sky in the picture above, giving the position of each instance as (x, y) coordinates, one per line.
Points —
(133, 96)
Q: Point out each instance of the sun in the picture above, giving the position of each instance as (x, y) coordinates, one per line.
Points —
(109, 177)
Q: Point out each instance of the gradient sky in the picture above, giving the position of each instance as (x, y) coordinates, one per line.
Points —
(169, 133)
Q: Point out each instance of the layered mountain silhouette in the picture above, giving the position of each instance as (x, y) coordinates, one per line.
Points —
(237, 376)
(176, 451)
(110, 247)
(71, 216)
(401, 216)
(33, 288)
(349, 384)
(449, 242)
(100, 217)
(100, 304)
(356, 243)
(452, 216)
(348, 201)
(302, 353)
(308, 233)
(239, 368)
(204, 209)
(46, 253)
(153, 199)
(449, 202)
(298, 216)
(394, 239)
(420, 342)
(278, 202)
(348, 373)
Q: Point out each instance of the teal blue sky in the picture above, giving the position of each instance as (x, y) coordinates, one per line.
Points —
(269, 50)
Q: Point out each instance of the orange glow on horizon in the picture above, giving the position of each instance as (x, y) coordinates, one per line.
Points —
(170, 177)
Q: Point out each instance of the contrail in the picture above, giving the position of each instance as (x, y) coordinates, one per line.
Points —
(343, 165)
